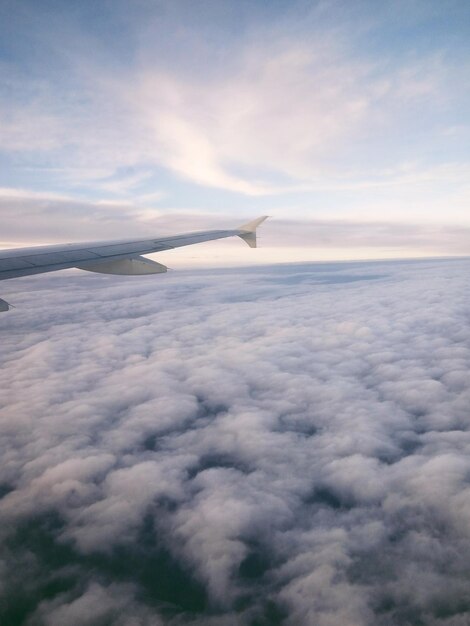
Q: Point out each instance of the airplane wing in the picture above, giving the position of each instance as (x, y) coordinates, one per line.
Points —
(122, 257)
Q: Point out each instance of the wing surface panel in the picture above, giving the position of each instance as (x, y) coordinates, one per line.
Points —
(27, 261)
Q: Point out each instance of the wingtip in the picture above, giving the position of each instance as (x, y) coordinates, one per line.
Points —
(250, 227)
(248, 231)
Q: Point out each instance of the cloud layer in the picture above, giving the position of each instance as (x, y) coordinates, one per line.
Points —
(287, 445)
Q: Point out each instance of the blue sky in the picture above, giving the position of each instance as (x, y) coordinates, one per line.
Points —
(139, 111)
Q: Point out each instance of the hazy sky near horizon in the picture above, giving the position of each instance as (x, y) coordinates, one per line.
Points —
(119, 117)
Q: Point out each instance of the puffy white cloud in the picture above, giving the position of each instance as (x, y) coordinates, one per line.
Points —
(113, 604)
(287, 443)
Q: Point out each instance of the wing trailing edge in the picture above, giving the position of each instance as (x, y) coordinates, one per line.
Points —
(137, 266)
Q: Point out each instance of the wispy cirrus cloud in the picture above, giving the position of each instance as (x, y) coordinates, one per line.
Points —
(287, 111)
(286, 106)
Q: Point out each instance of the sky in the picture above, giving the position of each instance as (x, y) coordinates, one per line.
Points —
(280, 445)
(269, 437)
(347, 122)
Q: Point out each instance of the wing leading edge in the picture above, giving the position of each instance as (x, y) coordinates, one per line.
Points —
(109, 257)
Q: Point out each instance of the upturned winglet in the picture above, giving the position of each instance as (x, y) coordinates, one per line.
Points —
(248, 231)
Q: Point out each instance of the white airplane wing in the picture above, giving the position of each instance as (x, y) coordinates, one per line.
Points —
(109, 257)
